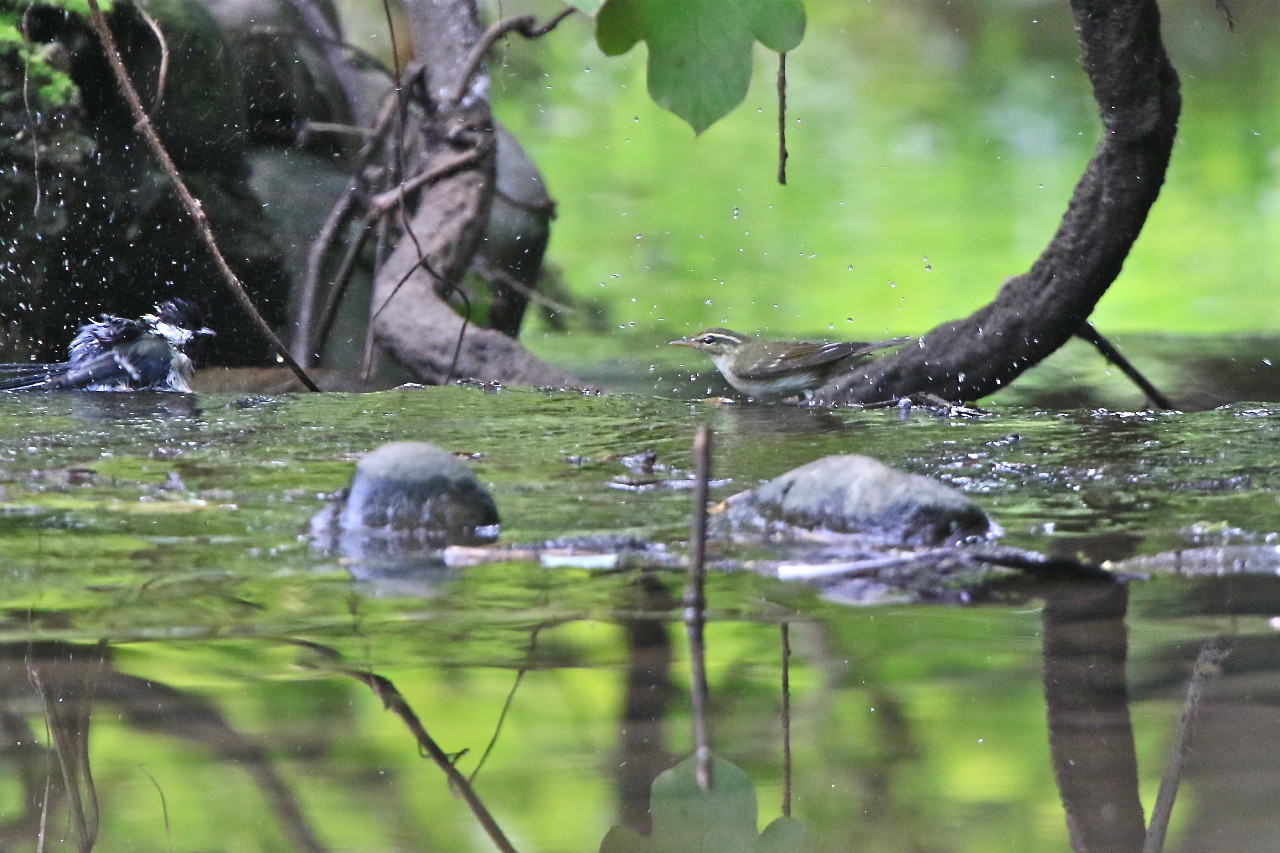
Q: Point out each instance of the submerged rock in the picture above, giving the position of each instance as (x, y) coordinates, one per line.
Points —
(840, 497)
(407, 496)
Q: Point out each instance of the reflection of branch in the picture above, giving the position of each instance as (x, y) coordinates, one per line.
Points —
(1211, 656)
(786, 720)
(695, 605)
(67, 695)
(38, 795)
(164, 805)
(197, 215)
(393, 701)
(506, 706)
(153, 706)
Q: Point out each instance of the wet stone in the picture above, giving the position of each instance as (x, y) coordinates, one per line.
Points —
(841, 497)
(407, 496)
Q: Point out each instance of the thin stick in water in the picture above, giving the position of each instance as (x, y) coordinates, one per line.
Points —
(786, 720)
(695, 605)
(782, 118)
(1108, 350)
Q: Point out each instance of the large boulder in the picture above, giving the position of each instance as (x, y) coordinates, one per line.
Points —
(843, 497)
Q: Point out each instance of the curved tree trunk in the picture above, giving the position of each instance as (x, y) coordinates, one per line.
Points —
(411, 319)
(1035, 313)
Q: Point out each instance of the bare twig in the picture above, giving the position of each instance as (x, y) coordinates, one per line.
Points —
(1221, 6)
(338, 287)
(383, 202)
(334, 224)
(35, 136)
(525, 25)
(494, 273)
(163, 75)
(702, 479)
(782, 118)
(323, 243)
(1110, 353)
(310, 127)
(143, 124)
(359, 57)
(396, 198)
(462, 333)
(695, 605)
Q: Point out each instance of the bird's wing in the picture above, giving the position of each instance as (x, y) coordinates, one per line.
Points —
(100, 371)
(144, 363)
(803, 356)
(106, 332)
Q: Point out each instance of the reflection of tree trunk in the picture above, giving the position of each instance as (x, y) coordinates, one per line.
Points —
(1035, 313)
(642, 749)
(67, 686)
(151, 705)
(71, 678)
(19, 745)
(1090, 735)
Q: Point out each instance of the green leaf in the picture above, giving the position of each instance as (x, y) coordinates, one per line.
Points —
(699, 50)
(621, 839)
(687, 818)
(784, 835)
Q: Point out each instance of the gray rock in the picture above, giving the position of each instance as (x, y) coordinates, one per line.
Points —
(407, 496)
(841, 497)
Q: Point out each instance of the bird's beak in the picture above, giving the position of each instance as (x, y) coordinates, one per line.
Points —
(683, 342)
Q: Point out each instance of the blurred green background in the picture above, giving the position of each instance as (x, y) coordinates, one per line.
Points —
(933, 148)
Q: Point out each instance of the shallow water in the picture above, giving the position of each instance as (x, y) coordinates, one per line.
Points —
(160, 584)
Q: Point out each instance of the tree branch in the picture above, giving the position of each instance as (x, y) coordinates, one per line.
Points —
(1136, 89)
(410, 317)
(525, 25)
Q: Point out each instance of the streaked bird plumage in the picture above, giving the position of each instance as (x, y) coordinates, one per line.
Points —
(114, 353)
(777, 369)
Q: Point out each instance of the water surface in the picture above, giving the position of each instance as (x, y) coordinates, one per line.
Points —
(170, 630)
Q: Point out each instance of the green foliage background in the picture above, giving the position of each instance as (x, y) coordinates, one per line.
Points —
(933, 148)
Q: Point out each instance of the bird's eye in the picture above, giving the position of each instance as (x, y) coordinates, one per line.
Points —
(709, 339)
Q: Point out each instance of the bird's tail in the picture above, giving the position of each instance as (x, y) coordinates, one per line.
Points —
(25, 376)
